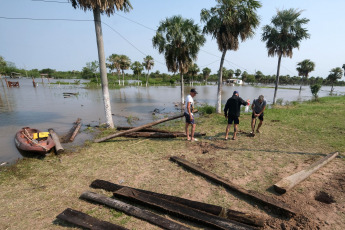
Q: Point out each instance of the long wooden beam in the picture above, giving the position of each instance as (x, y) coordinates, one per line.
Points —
(85, 221)
(180, 210)
(289, 182)
(245, 218)
(275, 205)
(133, 211)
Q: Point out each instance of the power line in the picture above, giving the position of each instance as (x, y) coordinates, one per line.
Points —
(48, 1)
(48, 19)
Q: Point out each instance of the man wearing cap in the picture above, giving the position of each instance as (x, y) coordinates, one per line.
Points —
(258, 108)
(188, 113)
(232, 112)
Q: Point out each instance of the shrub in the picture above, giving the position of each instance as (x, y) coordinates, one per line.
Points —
(315, 90)
(207, 109)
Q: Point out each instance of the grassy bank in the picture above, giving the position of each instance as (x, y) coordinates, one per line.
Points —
(34, 191)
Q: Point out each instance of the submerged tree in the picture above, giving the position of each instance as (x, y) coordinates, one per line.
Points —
(125, 63)
(180, 40)
(228, 22)
(283, 36)
(335, 74)
(206, 73)
(99, 7)
(304, 68)
(193, 71)
(137, 68)
(148, 64)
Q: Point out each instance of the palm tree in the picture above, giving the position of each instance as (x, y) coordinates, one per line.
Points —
(98, 7)
(285, 35)
(125, 63)
(344, 68)
(238, 73)
(148, 64)
(137, 68)
(206, 73)
(228, 22)
(180, 40)
(335, 74)
(304, 68)
(193, 70)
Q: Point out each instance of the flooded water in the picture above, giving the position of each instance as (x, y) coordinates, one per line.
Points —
(45, 107)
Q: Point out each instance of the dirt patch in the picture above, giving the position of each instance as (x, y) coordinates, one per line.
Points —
(204, 147)
(324, 197)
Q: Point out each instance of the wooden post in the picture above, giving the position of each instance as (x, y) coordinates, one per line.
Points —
(289, 182)
(180, 210)
(58, 146)
(133, 211)
(83, 220)
(209, 208)
(275, 205)
(33, 82)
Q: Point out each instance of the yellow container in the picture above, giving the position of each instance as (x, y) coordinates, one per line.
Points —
(40, 135)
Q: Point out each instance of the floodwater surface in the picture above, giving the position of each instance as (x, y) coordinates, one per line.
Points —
(46, 107)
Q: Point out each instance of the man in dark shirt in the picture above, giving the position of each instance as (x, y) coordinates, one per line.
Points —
(232, 112)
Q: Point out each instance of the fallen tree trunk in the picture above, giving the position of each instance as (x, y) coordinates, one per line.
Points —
(137, 128)
(289, 182)
(133, 211)
(58, 146)
(180, 210)
(75, 132)
(209, 208)
(85, 221)
(275, 205)
(151, 135)
(151, 130)
(67, 138)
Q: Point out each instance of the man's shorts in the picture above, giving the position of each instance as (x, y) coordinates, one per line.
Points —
(188, 120)
(233, 119)
(261, 117)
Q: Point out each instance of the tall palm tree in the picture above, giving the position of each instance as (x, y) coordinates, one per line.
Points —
(193, 71)
(137, 68)
(125, 63)
(109, 7)
(148, 64)
(180, 40)
(344, 68)
(335, 74)
(304, 68)
(206, 73)
(283, 36)
(228, 22)
(238, 73)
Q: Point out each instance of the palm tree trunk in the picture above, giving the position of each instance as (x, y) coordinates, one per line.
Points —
(182, 89)
(277, 80)
(102, 67)
(147, 77)
(300, 88)
(220, 83)
(123, 78)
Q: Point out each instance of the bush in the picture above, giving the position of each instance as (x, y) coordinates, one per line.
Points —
(207, 109)
(315, 90)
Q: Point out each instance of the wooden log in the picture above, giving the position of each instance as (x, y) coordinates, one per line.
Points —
(275, 205)
(58, 146)
(85, 221)
(143, 130)
(180, 210)
(75, 132)
(67, 137)
(151, 135)
(209, 208)
(133, 211)
(289, 182)
(118, 134)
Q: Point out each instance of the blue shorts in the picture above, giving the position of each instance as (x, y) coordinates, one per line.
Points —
(188, 120)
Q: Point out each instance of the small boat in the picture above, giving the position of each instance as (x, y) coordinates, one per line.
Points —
(28, 140)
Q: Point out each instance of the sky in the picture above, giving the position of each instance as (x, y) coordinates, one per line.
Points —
(69, 44)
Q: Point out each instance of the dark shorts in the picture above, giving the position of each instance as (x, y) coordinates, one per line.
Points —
(261, 117)
(188, 120)
(233, 119)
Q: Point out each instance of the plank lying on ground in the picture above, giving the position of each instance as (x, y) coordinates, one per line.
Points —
(179, 134)
(133, 211)
(275, 205)
(160, 135)
(180, 210)
(83, 220)
(58, 146)
(209, 208)
(67, 137)
(118, 134)
(289, 182)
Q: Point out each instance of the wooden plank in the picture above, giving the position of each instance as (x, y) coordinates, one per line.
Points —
(151, 130)
(289, 182)
(180, 210)
(58, 146)
(133, 211)
(245, 218)
(85, 221)
(151, 135)
(275, 205)
(118, 134)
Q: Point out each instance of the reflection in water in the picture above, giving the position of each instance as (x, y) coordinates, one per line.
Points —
(45, 107)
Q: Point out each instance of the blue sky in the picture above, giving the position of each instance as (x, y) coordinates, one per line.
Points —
(68, 45)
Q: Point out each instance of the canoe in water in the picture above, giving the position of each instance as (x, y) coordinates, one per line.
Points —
(24, 141)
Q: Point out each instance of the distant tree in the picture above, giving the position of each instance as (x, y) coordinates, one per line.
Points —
(206, 74)
(238, 73)
(125, 63)
(335, 74)
(231, 73)
(137, 68)
(48, 71)
(193, 71)
(244, 76)
(258, 76)
(99, 7)
(344, 68)
(315, 90)
(283, 36)
(3, 65)
(304, 68)
(114, 64)
(228, 22)
(148, 64)
(180, 40)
